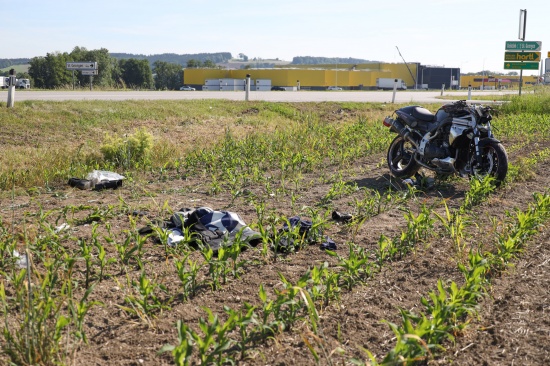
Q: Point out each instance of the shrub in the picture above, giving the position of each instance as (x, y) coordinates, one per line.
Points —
(128, 151)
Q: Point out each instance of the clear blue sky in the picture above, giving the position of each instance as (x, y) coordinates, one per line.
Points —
(469, 34)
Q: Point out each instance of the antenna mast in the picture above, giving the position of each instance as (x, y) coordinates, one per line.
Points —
(410, 72)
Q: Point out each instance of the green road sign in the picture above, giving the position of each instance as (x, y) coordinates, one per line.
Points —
(522, 56)
(521, 66)
(523, 45)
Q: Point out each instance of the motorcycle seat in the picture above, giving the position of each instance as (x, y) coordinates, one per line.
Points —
(422, 114)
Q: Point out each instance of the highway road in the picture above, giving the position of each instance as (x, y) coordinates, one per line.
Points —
(271, 96)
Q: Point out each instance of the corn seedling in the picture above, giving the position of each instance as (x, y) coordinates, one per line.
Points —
(324, 284)
(143, 301)
(319, 223)
(130, 248)
(86, 254)
(79, 310)
(214, 343)
(244, 321)
(41, 323)
(479, 190)
(182, 352)
(98, 214)
(387, 250)
(288, 306)
(188, 271)
(232, 252)
(419, 228)
(338, 189)
(266, 327)
(454, 224)
(102, 261)
(356, 267)
(217, 266)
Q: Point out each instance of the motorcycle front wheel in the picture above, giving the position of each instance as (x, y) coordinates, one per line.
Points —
(494, 162)
(401, 158)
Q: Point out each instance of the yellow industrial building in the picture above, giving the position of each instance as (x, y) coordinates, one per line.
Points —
(358, 76)
(495, 81)
(310, 76)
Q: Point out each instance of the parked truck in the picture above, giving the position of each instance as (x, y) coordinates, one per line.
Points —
(4, 82)
(19, 83)
(23, 84)
(387, 84)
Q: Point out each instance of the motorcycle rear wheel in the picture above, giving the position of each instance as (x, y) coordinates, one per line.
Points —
(494, 162)
(401, 158)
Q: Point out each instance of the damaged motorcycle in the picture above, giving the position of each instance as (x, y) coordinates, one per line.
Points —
(457, 139)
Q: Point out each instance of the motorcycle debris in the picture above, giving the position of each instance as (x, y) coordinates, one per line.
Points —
(22, 260)
(175, 236)
(344, 217)
(62, 227)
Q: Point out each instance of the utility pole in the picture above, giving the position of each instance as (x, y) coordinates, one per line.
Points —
(414, 80)
(11, 89)
(521, 36)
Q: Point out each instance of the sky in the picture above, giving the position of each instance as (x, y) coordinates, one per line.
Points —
(467, 34)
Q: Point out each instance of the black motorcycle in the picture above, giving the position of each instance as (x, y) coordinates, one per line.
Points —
(457, 139)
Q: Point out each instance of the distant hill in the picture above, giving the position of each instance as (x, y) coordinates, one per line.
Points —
(7, 62)
(18, 69)
(311, 60)
(252, 63)
(174, 58)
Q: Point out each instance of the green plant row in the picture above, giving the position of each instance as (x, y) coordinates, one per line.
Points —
(420, 336)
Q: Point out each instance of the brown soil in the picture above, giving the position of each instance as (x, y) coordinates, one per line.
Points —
(512, 327)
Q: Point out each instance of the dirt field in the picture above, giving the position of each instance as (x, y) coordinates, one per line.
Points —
(512, 326)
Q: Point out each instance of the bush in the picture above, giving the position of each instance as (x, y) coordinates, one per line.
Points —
(131, 151)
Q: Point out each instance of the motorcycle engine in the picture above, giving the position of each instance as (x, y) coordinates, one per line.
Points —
(438, 147)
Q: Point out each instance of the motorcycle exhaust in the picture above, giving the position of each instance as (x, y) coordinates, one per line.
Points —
(400, 129)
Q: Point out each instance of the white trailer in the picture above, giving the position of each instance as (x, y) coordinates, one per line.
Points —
(4, 82)
(388, 83)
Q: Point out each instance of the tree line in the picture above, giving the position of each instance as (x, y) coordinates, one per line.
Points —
(173, 58)
(50, 72)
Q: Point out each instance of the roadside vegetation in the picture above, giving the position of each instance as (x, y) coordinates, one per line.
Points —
(76, 275)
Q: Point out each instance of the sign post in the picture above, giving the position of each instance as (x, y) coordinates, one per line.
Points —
(521, 35)
(85, 67)
(527, 53)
